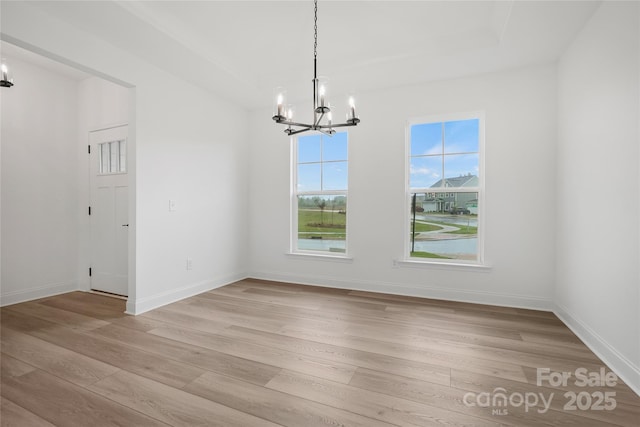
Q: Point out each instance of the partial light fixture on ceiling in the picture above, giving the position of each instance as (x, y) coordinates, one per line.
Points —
(6, 81)
(283, 114)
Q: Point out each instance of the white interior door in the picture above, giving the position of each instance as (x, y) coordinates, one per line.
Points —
(109, 210)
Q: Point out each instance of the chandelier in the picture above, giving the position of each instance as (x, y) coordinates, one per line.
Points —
(321, 108)
(6, 81)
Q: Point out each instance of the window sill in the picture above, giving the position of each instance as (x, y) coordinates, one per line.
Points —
(320, 256)
(442, 265)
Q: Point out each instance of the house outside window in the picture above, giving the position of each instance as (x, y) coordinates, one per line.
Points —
(445, 188)
(319, 196)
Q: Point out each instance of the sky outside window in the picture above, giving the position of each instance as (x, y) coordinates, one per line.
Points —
(322, 162)
(443, 150)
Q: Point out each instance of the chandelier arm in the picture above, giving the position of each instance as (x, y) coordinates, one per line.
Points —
(294, 132)
(342, 125)
(286, 122)
(326, 132)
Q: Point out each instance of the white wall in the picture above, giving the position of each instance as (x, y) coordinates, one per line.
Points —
(189, 146)
(101, 104)
(520, 108)
(597, 290)
(39, 184)
(194, 152)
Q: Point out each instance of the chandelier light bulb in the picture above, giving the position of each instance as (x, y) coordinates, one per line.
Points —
(322, 93)
(280, 100)
(352, 108)
(6, 81)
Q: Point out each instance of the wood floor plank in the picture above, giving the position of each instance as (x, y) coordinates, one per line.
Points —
(563, 340)
(78, 303)
(125, 357)
(529, 356)
(483, 356)
(295, 300)
(281, 408)
(12, 367)
(139, 323)
(199, 308)
(428, 301)
(95, 299)
(497, 321)
(436, 353)
(172, 406)
(322, 304)
(64, 404)
(402, 366)
(424, 336)
(66, 364)
(268, 317)
(16, 321)
(346, 317)
(181, 319)
(394, 410)
(336, 371)
(55, 315)
(12, 415)
(337, 319)
(290, 287)
(118, 355)
(243, 369)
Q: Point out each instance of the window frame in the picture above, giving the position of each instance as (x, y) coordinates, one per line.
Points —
(444, 190)
(293, 241)
(120, 155)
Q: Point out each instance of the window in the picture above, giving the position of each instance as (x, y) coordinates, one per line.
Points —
(113, 157)
(445, 189)
(320, 193)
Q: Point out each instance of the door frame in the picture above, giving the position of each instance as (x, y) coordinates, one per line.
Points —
(85, 202)
(95, 139)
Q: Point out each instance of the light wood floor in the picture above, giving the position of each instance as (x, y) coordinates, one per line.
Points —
(260, 353)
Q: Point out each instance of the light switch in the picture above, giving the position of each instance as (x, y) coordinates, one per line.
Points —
(172, 205)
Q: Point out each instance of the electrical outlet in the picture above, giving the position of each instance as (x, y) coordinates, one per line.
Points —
(189, 264)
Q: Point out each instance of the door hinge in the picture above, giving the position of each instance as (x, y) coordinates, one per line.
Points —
(89, 149)
(89, 210)
(89, 271)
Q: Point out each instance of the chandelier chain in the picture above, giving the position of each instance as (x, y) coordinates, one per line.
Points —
(315, 29)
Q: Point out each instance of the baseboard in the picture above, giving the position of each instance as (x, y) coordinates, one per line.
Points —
(476, 297)
(141, 305)
(49, 290)
(624, 368)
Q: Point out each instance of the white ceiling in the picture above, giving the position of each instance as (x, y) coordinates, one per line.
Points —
(241, 50)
